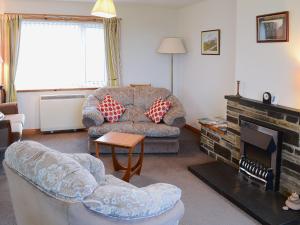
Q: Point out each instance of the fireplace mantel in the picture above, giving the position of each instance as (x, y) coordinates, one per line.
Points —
(226, 147)
(258, 104)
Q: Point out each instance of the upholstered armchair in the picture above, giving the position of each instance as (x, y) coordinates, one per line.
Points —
(11, 126)
(73, 189)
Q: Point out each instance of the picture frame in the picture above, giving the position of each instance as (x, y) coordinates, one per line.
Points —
(210, 42)
(272, 27)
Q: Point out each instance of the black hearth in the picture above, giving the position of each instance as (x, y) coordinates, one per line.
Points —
(260, 155)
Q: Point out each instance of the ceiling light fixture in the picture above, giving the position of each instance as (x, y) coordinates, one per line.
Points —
(104, 8)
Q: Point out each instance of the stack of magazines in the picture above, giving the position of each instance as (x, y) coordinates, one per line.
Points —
(217, 122)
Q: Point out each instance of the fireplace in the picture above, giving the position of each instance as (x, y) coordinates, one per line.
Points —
(260, 155)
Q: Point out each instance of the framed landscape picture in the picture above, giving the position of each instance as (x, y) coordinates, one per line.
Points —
(210, 42)
(273, 27)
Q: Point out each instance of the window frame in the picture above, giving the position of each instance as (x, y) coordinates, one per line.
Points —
(58, 17)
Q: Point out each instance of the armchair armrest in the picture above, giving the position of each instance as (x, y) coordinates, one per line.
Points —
(9, 108)
(5, 124)
(91, 115)
(175, 116)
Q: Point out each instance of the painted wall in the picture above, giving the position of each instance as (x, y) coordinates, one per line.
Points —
(203, 80)
(273, 67)
(143, 27)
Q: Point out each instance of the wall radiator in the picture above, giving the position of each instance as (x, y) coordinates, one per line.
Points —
(61, 112)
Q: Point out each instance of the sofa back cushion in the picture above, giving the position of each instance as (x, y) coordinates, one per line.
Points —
(145, 96)
(52, 172)
(123, 95)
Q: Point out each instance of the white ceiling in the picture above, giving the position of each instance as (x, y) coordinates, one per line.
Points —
(174, 3)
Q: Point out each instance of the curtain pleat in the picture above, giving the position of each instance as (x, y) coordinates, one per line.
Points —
(112, 32)
(11, 44)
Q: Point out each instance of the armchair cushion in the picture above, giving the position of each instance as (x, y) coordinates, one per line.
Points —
(128, 203)
(52, 172)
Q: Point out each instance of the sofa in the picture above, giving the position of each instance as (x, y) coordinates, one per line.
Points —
(160, 138)
(53, 188)
(11, 127)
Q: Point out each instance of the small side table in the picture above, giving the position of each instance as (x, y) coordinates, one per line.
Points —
(128, 142)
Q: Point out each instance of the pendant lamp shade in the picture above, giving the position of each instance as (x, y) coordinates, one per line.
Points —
(104, 8)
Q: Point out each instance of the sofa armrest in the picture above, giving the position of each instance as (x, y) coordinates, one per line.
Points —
(175, 116)
(9, 108)
(91, 116)
(8, 136)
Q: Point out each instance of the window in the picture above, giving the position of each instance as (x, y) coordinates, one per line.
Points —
(55, 54)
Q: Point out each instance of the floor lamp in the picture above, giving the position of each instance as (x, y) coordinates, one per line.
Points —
(172, 46)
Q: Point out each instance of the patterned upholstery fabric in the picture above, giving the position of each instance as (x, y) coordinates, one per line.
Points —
(53, 172)
(158, 110)
(92, 164)
(135, 114)
(91, 115)
(121, 94)
(156, 130)
(149, 129)
(122, 127)
(136, 101)
(176, 111)
(128, 203)
(111, 109)
(144, 97)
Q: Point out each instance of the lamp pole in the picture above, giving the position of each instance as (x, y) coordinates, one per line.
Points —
(172, 75)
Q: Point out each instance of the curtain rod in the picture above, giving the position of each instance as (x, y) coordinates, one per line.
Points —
(58, 17)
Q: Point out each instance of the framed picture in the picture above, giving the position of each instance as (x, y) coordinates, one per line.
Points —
(210, 42)
(273, 27)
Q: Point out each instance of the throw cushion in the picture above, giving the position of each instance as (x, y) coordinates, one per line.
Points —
(52, 172)
(111, 109)
(158, 110)
(128, 203)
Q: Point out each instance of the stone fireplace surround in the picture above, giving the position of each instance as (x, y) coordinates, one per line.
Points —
(226, 147)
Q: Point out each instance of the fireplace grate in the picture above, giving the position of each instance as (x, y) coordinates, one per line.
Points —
(256, 171)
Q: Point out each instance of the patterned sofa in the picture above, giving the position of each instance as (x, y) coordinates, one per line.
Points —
(160, 138)
(49, 187)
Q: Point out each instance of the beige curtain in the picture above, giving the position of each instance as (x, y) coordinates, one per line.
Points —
(112, 49)
(11, 26)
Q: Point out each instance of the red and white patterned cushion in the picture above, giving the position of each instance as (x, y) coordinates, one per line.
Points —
(111, 109)
(158, 110)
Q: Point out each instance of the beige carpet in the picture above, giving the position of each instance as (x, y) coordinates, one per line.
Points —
(203, 206)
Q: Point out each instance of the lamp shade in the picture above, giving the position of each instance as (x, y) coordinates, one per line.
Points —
(172, 46)
(104, 8)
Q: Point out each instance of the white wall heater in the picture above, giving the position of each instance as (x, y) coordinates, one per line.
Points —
(61, 112)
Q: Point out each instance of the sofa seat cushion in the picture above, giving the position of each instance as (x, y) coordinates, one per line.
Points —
(16, 122)
(128, 203)
(151, 129)
(54, 173)
(122, 127)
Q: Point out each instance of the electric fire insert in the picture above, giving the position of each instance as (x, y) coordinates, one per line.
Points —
(260, 155)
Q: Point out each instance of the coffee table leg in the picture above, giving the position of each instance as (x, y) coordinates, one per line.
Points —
(141, 159)
(97, 150)
(128, 171)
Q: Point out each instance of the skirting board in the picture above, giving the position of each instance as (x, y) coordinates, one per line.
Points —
(31, 131)
(193, 129)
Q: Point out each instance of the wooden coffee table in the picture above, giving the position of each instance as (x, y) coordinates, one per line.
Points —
(127, 142)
